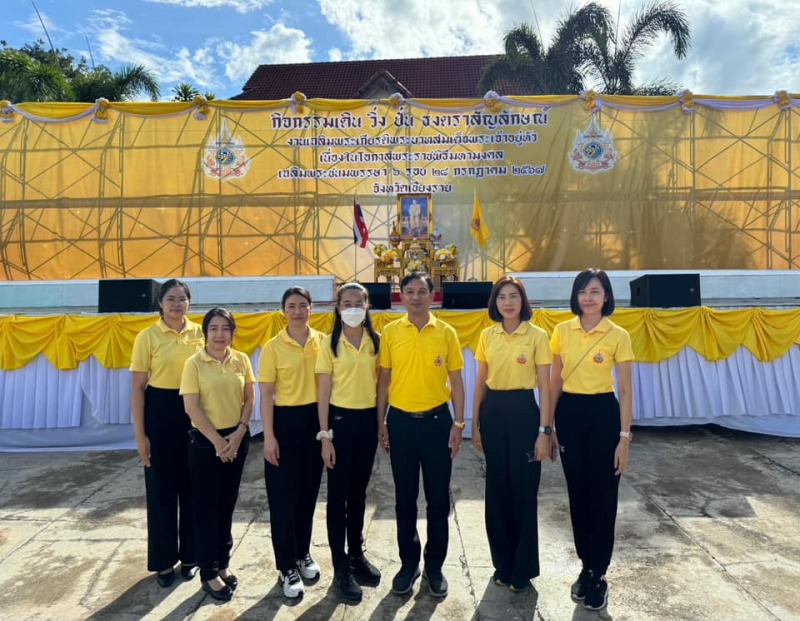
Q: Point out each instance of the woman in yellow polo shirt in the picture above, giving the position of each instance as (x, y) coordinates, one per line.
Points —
(292, 461)
(160, 424)
(593, 426)
(218, 388)
(347, 377)
(512, 430)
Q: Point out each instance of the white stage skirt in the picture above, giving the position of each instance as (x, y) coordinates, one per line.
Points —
(43, 409)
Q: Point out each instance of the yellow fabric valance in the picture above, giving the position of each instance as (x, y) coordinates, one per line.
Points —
(67, 340)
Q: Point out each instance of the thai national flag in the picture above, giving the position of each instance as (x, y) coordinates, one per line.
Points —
(360, 232)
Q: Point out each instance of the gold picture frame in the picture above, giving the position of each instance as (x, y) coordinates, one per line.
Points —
(415, 215)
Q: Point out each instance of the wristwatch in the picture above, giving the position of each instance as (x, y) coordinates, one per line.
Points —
(460, 424)
(626, 434)
(325, 435)
(546, 430)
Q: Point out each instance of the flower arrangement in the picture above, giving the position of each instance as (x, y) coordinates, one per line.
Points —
(379, 249)
(443, 255)
(389, 256)
(414, 265)
(453, 249)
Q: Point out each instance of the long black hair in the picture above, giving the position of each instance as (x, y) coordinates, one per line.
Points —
(337, 322)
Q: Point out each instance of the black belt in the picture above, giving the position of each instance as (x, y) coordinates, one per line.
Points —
(442, 407)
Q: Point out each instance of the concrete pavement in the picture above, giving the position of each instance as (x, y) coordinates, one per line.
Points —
(708, 528)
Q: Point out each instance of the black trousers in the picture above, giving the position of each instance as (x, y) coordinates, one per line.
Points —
(355, 439)
(415, 443)
(588, 431)
(509, 425)
(170, 528)
(215, 489)
(293, 485)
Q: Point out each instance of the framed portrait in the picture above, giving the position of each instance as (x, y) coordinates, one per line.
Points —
(415, 215)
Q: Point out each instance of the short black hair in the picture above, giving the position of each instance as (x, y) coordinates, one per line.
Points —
(417, 275)
(218, 311)
(301, 291)
(525, 313)
(172, 282)
(581, 280)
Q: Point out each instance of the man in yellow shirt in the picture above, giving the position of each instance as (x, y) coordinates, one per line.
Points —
(419, 355)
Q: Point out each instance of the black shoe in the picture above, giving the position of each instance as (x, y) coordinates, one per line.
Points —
(437, 583)
(365, 573)
(522, 586)
(597, 594)
(581, 585)
(223, 595)
(346, 586)
(189, 571)
(231, 580)
(166, 580)
(403, 582)
(500, 579)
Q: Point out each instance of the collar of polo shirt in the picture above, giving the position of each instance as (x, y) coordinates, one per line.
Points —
(603, 326)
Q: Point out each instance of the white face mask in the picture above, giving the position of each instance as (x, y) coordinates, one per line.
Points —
(353, 317)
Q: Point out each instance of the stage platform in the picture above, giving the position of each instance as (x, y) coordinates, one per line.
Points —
(64, 382)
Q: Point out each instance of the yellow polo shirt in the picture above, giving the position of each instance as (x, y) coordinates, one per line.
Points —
(291, 367)
(219, 384)
(588, 358)
(420, 361)
(354, 372)
(512, 358)
(161, 351)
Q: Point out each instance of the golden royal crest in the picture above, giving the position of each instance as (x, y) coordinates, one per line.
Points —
(225, 157)
(593, 150)
(521, 359)
(438, 361)
(598, 358)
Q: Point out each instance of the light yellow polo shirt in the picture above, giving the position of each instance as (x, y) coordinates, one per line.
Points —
(512, 358)
(588, 358)
(161, 351)
(219, 384)
(354, 372)
(291, 367)
(420, 361)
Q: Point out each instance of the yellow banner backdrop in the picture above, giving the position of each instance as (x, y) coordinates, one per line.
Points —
(266, 188)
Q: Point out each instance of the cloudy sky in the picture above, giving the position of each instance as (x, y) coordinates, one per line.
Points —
(739, 47)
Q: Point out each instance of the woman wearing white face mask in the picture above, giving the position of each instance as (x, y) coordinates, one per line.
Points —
(347, 367)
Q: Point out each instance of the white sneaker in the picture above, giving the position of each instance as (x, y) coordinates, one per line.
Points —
(291, 583)
(308, 567)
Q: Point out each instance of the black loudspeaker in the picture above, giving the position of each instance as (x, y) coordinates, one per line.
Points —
(666, 290)
(128, 295)
(380, 294)
(466, 294)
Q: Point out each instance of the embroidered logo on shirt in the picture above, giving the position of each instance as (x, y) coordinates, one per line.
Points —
(598, 358)
(521, 359)
(438, 361)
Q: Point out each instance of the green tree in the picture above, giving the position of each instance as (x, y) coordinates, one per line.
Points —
(184, 92)
(586, 45)
(612, 61)
(530, 68)
(126, 84)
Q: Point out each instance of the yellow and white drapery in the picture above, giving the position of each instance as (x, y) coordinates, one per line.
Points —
(122, 189)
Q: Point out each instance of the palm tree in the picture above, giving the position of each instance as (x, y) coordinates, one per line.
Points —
(23, 78)
(613, 61)
(184, 92)
(122, 85)
(529, 68)
(586, 44)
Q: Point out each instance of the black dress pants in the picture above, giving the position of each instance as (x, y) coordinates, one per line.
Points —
(293, 485)
(215, 489)
(355, 439)
(170, 528)
(588, 431)
(509, 424)
(415, 443)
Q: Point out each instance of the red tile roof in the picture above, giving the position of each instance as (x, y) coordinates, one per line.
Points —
(422, 78)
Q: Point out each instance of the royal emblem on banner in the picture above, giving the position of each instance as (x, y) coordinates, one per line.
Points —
(225, 157)
(593, 150)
